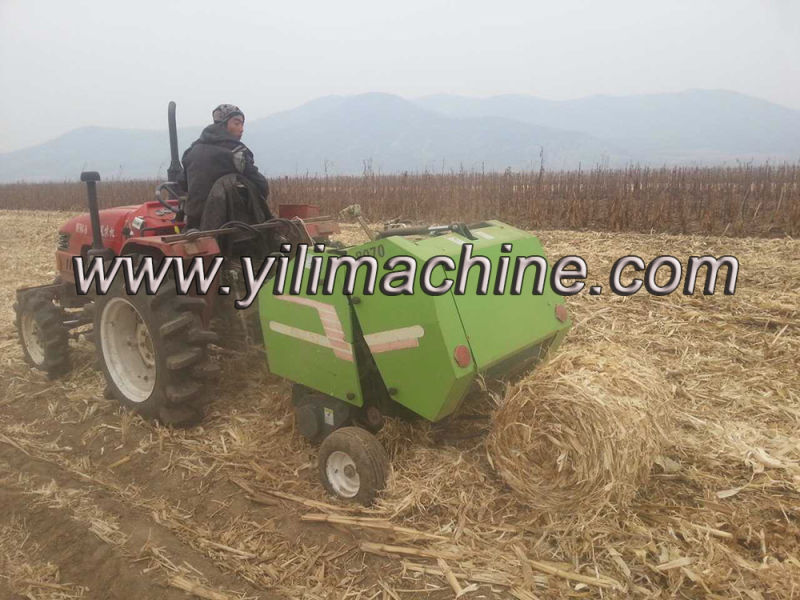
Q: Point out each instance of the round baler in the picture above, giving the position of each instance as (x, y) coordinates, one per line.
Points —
(356, 357)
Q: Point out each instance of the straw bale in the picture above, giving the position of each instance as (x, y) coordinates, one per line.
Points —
(582, 432)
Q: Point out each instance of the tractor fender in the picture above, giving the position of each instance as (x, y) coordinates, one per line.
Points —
(156, 247)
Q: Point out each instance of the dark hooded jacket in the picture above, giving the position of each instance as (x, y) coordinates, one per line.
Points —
(233, 197)
(215, 153)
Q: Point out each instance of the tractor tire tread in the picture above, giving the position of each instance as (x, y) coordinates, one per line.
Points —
(177, 398)
(184, 359)
(50, 318)
(202, 336)
(175, 325)
(182, 394)
(190, 303)
(206, 370)
(55, 342)
(179, 415)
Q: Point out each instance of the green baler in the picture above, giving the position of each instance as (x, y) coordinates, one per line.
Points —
(354, 358)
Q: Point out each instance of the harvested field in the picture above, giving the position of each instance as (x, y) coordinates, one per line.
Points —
(100, 504)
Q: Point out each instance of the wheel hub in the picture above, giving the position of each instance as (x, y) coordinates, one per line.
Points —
(32, 336)
(144, 343)
(342, 474)
(128, 350)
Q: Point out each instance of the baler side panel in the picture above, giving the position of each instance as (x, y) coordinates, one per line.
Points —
(309, 340)
(504, 325)
(412, 339)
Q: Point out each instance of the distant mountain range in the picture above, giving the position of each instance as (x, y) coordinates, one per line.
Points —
(389, 134)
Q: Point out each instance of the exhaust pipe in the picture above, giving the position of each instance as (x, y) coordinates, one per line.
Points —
(174, 170)
(91, 178)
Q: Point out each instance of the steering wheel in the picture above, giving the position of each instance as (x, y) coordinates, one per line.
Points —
(167, 185)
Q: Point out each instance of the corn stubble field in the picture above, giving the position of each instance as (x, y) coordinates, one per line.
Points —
(657, 454)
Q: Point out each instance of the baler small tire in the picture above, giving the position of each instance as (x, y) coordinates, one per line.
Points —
(43, 338)
(355, 450)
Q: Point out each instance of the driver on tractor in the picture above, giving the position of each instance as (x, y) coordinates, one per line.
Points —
(220, 175)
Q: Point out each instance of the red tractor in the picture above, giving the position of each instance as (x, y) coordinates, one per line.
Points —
(152, 348)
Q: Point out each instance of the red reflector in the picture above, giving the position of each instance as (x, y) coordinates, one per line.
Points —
(462, 356)
(561, 313)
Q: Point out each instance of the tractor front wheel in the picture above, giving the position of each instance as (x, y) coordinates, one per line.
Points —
(353, 465)
(152, 350)
(42, 334)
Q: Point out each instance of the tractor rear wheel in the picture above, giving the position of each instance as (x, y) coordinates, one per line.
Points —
(152, 350)
(353, 465)
(42, 334)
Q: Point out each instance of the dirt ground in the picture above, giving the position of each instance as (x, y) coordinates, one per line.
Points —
(97, 503)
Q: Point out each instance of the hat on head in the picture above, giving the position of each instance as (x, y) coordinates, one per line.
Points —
(225, 111)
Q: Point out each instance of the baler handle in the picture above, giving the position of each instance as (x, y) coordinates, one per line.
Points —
(460, 228)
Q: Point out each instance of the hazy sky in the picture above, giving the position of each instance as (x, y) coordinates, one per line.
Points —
(69, 63)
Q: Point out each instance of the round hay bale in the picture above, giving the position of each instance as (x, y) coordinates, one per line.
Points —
(582, 431)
